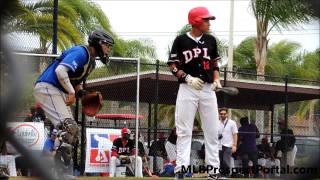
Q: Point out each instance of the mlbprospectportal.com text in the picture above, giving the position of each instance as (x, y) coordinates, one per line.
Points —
(236, 170)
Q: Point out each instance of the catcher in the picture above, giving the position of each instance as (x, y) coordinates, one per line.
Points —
(123, 152)
(57, 87)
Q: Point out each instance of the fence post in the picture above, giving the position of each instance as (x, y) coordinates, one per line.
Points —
(271, 125)
(75, 150)
(156, 101)
(83, 136)
(225, 76)
(286, 118)
(55, 27)
(149, 123)
(225, 97)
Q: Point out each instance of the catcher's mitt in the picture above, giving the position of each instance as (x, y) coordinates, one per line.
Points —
(124, 159)
(91, 102)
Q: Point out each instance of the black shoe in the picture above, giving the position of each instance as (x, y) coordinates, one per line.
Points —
(216, 177)
(179, 176)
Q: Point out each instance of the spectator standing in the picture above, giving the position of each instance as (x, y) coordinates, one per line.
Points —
(248, 147)
(227, 135)
(286, 145)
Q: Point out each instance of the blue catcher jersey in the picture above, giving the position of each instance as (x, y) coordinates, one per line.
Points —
(77, 59)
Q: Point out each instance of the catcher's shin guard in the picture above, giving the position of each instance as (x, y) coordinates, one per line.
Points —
(64, 154)
(70, 131)
(68, 136)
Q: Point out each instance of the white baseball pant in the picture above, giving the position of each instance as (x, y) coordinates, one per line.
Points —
(52, 102)
(269, 163)
(171, 151)
(188, 102)
(114, 162)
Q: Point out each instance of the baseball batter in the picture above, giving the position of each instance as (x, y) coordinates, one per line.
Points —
(58, 85)
(193, 60)
(123, 152)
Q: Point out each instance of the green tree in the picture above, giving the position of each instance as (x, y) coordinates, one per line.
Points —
(143, 49)
(284, 58)
(244, 56)
(75, 19)
(279, 14)
(309, 69)
(310, 65)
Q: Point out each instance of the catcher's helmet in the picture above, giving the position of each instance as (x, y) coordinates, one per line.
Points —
(197, 14)
(125, 131)
(95, 39)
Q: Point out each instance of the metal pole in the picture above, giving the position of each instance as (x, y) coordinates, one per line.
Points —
(75, 150)
(271, 124)
(286, 118)
(225, 98)
(137, 116)
(149, 124)
(156, 96)
(230, 48)
(55, 27)
(225, 76)
(83, 137)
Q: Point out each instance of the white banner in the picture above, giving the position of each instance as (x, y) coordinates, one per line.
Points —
(9, 162)
(31, 134)
(98, 150)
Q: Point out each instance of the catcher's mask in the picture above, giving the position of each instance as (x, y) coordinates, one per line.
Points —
(98, 37)
(196, 16)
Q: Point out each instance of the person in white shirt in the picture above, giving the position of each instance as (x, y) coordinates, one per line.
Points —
(171, 146)
(227, 135)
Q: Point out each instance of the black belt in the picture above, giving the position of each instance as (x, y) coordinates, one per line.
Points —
(225, 148)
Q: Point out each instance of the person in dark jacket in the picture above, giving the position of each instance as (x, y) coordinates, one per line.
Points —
(286, 145)
(248, 132)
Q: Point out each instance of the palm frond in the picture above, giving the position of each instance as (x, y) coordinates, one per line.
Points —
(304, 108)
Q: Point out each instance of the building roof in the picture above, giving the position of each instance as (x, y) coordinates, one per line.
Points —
(259, 95)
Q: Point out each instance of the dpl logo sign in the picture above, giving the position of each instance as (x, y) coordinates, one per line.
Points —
(100, 148)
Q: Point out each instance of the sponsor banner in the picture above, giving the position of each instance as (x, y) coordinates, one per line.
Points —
(8, 162)
(31, 134)
(98, 150)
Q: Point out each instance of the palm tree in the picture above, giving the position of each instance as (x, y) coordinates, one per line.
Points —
(75, 19)
(311, 60)
(37, 20)
(308, 70)
(243, 59)
(274, 13)
(143, 49)
(270, 14)
(283, 59)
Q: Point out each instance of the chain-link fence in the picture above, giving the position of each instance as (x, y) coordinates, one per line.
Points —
(279, 108)
(264, 103)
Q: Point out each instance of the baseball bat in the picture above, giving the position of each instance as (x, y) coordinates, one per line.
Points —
(232, 91)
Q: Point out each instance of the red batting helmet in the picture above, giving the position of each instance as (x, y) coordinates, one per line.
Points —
(125, 131)
(196, 15)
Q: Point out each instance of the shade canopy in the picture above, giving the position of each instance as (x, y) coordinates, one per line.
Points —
(255, 95)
